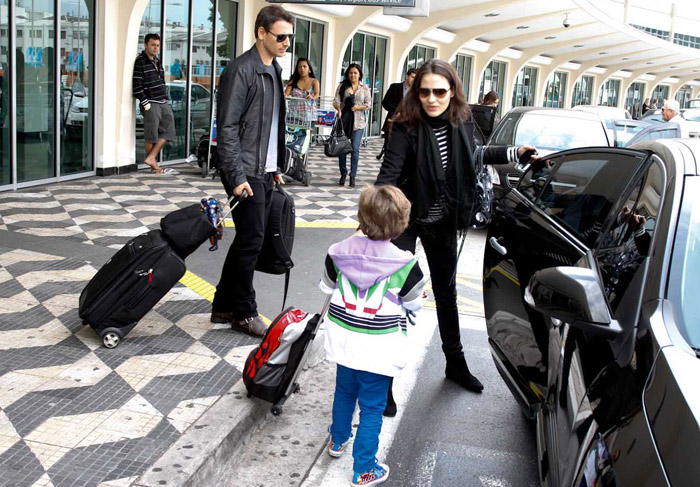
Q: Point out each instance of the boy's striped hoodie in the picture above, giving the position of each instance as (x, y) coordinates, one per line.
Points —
(371, 282)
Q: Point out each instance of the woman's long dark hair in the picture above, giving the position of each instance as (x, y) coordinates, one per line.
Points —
(345, 84)
(296, 76)
(409, 111)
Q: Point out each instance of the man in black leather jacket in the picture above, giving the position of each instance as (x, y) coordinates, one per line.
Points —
(251, 130)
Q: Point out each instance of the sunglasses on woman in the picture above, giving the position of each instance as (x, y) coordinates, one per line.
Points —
(281, 37)
(438, 92)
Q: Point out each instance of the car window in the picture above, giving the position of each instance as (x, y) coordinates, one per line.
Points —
(625, 244)
(684, 282)
(625, 132)
(554, 133)
(583, 188)
(536, 177)
(505, 132)
(200, 92)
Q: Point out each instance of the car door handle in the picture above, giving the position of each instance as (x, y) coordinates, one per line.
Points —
(494, 242)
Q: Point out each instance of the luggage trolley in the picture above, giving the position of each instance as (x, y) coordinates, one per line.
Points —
(300, 121)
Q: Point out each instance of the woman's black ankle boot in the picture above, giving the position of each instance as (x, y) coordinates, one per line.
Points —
(458, 371)
(390, 409)
(342, 180)
(352, 182)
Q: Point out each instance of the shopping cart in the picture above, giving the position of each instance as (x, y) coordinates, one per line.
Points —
(300, 121)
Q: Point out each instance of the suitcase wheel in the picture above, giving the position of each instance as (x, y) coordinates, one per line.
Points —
(276, 410)
(111, 339)
(296, 388)
(307, 178)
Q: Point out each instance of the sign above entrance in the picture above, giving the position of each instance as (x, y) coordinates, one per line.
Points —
(373, 3)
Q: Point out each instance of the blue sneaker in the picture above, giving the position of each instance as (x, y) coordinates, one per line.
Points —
(336, 449)
(376, 476)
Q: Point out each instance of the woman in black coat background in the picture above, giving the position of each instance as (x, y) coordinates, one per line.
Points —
(429, 155)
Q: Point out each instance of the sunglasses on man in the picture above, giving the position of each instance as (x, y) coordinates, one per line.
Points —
(280, 38)
(438, 92)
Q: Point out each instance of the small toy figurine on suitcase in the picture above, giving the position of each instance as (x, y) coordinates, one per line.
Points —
(145, 269)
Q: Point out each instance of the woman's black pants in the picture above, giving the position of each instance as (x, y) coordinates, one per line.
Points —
(440, 245)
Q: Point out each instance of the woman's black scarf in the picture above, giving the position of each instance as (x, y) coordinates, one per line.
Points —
(431, 175)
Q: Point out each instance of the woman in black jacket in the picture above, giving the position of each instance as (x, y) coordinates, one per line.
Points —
(429, 155)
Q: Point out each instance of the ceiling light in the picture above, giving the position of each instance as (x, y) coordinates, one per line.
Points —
(492, 14)
(650, 62)
(549, 38)
(625, 59)
(673, 67)
(602, 52)
(578, 45)
(522, 27)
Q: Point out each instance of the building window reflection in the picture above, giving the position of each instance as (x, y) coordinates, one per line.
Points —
(525, 87)
(463, 65)
(583, 91)
(192, 69)
(494, 78)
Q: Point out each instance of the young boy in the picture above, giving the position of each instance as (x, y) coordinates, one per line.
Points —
(372, 282)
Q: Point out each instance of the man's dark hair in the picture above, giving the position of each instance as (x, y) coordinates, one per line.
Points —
(269, 15)
(149, 37)
(410, 72)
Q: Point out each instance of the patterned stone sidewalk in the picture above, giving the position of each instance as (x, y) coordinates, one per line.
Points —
(72, 412)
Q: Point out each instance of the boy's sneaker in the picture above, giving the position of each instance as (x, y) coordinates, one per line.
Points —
(376, 476)
(336, 449)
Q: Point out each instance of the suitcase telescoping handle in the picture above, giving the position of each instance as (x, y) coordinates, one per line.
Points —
(232, 206)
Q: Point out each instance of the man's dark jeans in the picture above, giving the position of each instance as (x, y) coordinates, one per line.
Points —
(235, 292)
(440, 245)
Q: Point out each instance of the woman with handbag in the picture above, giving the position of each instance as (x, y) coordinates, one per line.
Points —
(352, 100)
(430, 156)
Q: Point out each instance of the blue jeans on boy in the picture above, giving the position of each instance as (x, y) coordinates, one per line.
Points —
(370, 390)
(356, 139)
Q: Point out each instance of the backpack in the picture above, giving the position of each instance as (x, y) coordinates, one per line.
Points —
(276, 254)
(270, 367)
(293, 165)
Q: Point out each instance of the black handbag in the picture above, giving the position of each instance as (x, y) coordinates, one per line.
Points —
(338, 143)
(483, 197)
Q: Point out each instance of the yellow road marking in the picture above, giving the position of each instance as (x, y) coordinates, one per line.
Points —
(469, 284)
(204, 289)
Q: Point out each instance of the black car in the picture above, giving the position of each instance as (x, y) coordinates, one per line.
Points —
(592, 304)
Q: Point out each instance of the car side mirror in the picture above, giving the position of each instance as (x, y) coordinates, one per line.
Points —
(573, 295)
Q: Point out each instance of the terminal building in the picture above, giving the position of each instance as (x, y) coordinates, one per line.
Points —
(67, 109)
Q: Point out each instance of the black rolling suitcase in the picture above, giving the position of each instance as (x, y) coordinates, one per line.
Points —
(129, 285)
(272, 369)
(144, 270)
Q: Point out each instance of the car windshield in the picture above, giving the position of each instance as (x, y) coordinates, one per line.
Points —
(692, 115)
(684, 282)
(555, 133)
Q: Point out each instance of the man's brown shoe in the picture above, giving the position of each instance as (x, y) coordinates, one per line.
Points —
(221, 317)
(253, 326)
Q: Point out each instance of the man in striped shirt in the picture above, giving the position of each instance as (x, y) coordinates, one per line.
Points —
(149, 88)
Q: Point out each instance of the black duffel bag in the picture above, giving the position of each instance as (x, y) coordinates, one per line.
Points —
(189, 227)
(338, 143)
(186, 229)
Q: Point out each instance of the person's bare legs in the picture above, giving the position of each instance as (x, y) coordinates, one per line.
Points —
(152, 151)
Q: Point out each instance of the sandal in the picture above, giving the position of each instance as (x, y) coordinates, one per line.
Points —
(168, 170)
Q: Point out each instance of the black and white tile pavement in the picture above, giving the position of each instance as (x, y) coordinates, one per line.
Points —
(72, 412)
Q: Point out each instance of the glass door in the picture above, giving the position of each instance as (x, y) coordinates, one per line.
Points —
(36, 90)
(5, 110)
(76, 94)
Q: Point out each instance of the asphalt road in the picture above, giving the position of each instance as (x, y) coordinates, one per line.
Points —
(450, 437)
